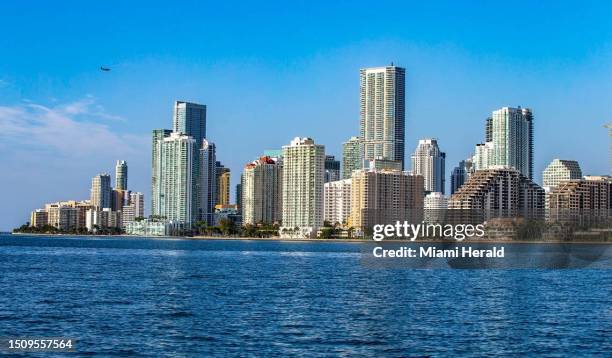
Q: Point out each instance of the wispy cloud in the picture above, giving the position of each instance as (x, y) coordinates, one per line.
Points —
(74, 129)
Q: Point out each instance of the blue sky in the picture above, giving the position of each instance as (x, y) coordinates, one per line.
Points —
(271, 71)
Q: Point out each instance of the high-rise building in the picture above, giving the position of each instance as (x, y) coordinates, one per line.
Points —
(583, 200)
(101, 191)
(483, 156)
(137, 200)
(158, 136)
(119, 198)
(385, 197)
(39, 218)
(303, 174)
(382, 164)
(435, 205)
(428, 161)
(207, 193)
(460, 174)
(332, 168)
(382, 112)
(176, 193)
(337, 199)
(512, 132)
(261, 192)
(351, 157)
(223, 184)
(489, 130)
(121, 175)
(560, 170)
(500, 192)
(239, 195)
(62, 217)
(190, 119)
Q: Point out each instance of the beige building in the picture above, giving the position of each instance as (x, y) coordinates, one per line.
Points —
(39, 218)
(223, 186)
(303, 177)
(558, 171)
(384, 197)
(581, 199)
(500, 192)
(337, 201)
(262, 192)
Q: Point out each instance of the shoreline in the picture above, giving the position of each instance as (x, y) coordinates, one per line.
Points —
(362, 241)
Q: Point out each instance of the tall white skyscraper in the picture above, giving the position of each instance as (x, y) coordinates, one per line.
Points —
(303, 175)
(382, 112)
(137, 200)
(121, 175)
(176, 190)
(156, 170)
(101, 191)
(337, 201)
(429, 162)
(512, 134)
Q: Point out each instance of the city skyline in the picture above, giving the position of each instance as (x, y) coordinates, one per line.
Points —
(86, 105)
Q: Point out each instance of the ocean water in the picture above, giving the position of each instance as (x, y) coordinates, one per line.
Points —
(124, 296)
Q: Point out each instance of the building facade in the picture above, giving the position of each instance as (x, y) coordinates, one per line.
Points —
(460, 174)
(303, 179)
(435, 206)
(384, 197)
(121, 175)
(332, 168)
(261, 192)
(560, 170)
(101, 191)
(223, 184)
(207, 185)
(500, 192)
(337, 199)
(382, 112)
(512, 132)
(156, 170)
(351, 157)
(429, 161)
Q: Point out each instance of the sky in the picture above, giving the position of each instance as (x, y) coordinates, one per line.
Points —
(271, 71)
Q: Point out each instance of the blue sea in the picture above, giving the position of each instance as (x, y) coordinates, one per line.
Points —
(131, 296)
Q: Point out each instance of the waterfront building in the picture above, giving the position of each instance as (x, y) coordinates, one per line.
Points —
(584, 200)
(137, 200)
(175, 183)
(119, 198)
(207, 193)
(428, 160)
(274, 154)
(223, 184)
(461, 174)
(102, 219)
(62, 217)
(332, 168)
(302, 190)
(39, 218)
(128, 213)
(227, 212)
(351, 157)
(512, 132)
(384, 197)
(558, 171)
(152, 227)
(239, 195)
(499, 192)
(435, 206)
(158, 136)
(261, 192)
(121, 175)
(382, 112)
(337, 201)
(101, 191)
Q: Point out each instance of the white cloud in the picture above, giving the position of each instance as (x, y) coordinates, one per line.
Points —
(75, 129)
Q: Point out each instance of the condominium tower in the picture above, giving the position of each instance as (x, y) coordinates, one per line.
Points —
(429, 161)
(560, 170)
(121, 175)
(101, 191)
(512, 135)
(382, 112)
(351, 157)
(303, 174)
(261, 192)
